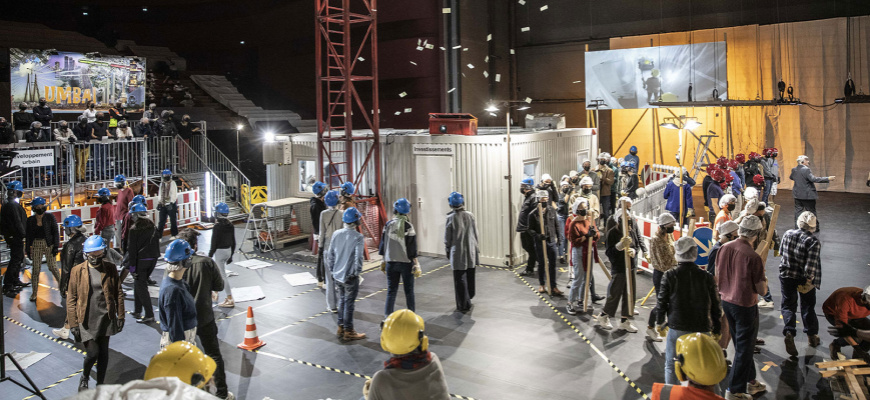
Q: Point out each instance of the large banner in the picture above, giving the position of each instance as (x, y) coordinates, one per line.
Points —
(632, 78)
(69, 81)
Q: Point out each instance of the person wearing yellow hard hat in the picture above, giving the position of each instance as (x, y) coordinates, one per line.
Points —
(412, 372)
(699, 361)
(178, 371)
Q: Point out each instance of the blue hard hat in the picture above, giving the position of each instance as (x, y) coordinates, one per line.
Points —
(178, 250)
(15, 185)
(318, 188)
(104, 192)
(166, 171)
(633, 148)
(72, 221)
(331, 198)
(455, 199)
(402, 206)
(632, 164)
(528, 181)
(120, 178)
(138, 207)
(222, 208)
(140, 199)
(350, 216)
(37, 201)
(347, 188)
(94, 243)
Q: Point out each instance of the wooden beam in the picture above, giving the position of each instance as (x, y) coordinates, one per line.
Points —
(842, 363)
(856, 388)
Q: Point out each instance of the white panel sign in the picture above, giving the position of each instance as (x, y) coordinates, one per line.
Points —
(434, 149)
(34, 158)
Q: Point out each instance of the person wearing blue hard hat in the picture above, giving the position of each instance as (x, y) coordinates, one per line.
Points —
(632, 156)
(344, 261)
(315, 208)
(346, 191)
(460, 239)
(175, 303)
(527, 189)
(12, 222)
(42, 240)
(167, 204)
(330, 222)
(95, 307)
(223, 246)
(128, 222)
(104, 223)
(399, 248)
(628, 181)
(71, 254)
(143, 251)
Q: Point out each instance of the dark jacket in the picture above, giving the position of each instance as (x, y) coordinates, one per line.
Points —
(71, 255)
(223, 235)
(22, 120)
(12, 220)
(166, 127)
(142, 243)
(805, 183)
(316, 206)
(79, 290)
(529, 204)
(711, 259)
(203, 277)
(98, 129)
(82, 132)
(36, 135)
(562, 205)
(551, 225)
(185, 131)
(705, 184)
(43, 114)
(7, 135)
(614, 235)
(690, 299)
(750, 169)
(49, 225)
(143, 130)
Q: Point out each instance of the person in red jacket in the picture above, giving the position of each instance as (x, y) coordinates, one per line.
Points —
(581, 229)
(104, 226)
(848, 309)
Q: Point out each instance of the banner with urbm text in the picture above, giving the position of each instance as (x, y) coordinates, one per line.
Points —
(69, 81)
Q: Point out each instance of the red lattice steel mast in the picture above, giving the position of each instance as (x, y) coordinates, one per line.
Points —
(338, 100)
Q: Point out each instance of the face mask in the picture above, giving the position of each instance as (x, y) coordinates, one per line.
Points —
(39, 211)
(602, 162)
(586, 191)
(731, 207)
(91, 107)
(186, 119)
(581, 213)
(587, 167)
(566, 190)
(165, 178)
(104, 200)
(99, 118)
(669, 229)
(119, 185)
(42, 103)
(95, 260)
(68, 231)
(63, 127)
(634, 153)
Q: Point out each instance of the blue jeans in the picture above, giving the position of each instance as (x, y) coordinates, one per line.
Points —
(396, 271)
(563, 242)
(578, 285)
(768, 185)
(347, 292)
(790, 296)
(671, 353)
(743, 325)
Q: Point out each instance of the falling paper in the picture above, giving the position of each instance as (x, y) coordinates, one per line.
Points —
(248, 293)
(544, 8)
(486, 59)
(471, 66)
(513, 52)
(576, 81)
(528, 99)
(765, 368)
(361, 59)
(407, 110)
(488, 37)
(25, 359)
(419, 42)
(530, 117)
(522, 2)
(446, 10)
(431, 46)
(451, 90)
(302, 278)
(442, 48)
(525, 29)
(419, 48)
(465, 49)
(403, 94)
(413, 63)
(398, 113)
(498, 77)
(485, 74)
(457, 47)
(253, 264)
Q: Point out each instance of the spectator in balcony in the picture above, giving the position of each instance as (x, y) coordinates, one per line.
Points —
(42, 113)
(123, 131)
(99, 130)
(82, 131)
(166, 100)
(7, 135)
(188, 101)
(143, 130)
(90, 113)
(63, 133)
(185, 131)
(21, 121)
(178, 87)
(151, 112)
(166, 125)
(35, 134)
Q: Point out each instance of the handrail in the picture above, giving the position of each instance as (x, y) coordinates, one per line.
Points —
(190, 151)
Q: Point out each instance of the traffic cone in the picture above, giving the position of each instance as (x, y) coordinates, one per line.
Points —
(294, 225)
(252, 341)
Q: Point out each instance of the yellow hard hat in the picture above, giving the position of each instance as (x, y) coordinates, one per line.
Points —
(182, 360)
(699, 359)
(402, 333)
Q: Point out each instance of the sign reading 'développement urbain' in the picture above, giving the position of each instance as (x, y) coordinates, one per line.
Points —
(34, 158)
(434, 149)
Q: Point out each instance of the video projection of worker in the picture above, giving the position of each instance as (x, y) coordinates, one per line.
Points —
(633, 78)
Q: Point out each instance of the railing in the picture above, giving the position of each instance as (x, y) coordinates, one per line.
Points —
(220, 165)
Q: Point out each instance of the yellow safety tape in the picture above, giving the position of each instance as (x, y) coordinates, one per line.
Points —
(58, 341)
(68, 377)
(585, 339)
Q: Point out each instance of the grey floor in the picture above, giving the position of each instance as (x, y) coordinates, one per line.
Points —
(513, 345)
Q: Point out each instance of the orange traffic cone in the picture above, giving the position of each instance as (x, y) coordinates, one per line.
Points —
(252, 341)
(294, 225)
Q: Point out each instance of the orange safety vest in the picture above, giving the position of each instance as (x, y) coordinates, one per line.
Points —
(676, 392)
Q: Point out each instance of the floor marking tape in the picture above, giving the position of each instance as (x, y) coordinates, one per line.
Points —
(68, 377)
(585, 339)
(336, 370)
(267, 304)
(279, 261)
(58, 341)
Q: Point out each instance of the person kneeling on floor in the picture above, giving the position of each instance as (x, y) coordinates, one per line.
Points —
(848, 309)
(412, 372)
(344, 261)
(700, 362)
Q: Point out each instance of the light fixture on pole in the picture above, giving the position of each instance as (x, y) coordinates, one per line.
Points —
(681, 123)
(238, 158)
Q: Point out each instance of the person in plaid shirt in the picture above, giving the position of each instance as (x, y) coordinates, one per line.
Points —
(800, 273)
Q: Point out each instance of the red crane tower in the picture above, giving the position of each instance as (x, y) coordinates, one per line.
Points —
(342, 155)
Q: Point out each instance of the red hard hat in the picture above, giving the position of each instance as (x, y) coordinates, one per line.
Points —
(754, 155)
(711, 168)
(758, 179)
(723, 185)
(722, 162)
(733, 164)
(718, 175)
(729, 178)
(741, 158)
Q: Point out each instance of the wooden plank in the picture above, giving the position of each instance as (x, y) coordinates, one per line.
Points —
(843, 363)
(861, 371)
(854, 386)
(829, 373)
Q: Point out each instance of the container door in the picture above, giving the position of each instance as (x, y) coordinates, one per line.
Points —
(434, 178)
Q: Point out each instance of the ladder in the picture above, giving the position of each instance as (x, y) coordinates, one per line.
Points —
(701, 155)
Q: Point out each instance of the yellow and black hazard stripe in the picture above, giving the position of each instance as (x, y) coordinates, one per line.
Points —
(66, 378)
(585, 339)
(53, 339)
(279, 261)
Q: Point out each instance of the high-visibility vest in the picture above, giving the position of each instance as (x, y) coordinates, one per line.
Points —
(676, 392)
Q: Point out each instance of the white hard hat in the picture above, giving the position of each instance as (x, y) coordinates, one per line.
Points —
(750, 193)
(807, 220)
(580, 200)
(546, 177)
(727, 227)
(573, 173)
(666, 219)
(541, 194)
(750, 223)
(686, 250)
(624, 199)
(586, 181)
(726, 199)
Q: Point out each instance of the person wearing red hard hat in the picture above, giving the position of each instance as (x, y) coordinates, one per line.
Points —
(714, 190)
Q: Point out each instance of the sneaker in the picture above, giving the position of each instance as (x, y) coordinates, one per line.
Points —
(145, 320)
(320, 285)
(790, 348)
(737, 396)
(814, 340)
(136, 315)
(83, 384)
(340, 332)
(353, 335)
(636, 312)
(765, 304)
(527, 273)
(62, 333)
(756, 387)
(604, 322)
(627, 326)
(227, 303)
(835, 351)
(570, 309)
(651, 334)
(230, 396)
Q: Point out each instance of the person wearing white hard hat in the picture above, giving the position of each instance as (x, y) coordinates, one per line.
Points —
(687, 311)
(562, 212)
(800, 276)
(727, 204)
(661, 252)
(727, 232)
(546, 240)
(550, 186)
(847, 310)
(741, 279)
(587, 191)
(587, 172)
(616, 244)
(607, 178)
